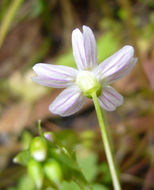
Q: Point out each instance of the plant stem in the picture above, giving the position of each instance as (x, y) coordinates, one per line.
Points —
(107, 146)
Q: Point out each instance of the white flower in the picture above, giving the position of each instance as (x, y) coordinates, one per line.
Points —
(89, 77)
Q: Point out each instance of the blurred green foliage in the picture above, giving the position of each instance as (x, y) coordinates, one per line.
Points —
(24, 183)
(89, 166)
(85, 156)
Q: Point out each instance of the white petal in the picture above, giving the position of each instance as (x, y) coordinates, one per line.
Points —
(122, 72)
(116, 66)
(78, 49)
(110, 98)
(68, 102)
(90, 47)
(84, 48)
(55, 76)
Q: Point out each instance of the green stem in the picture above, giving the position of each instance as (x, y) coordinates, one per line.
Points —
(40, 129)
(107, 146)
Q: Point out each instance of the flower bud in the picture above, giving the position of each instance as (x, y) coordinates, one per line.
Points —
(38, 149)
(50, 136)
(22, 158)
(53, 171)
(36, 172)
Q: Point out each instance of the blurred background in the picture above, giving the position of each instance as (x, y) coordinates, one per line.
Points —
(33, 31)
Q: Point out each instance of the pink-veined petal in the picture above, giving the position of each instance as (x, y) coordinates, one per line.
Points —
(110, 98)
(90, 47)
(122, 72)
(68, 102)
(84, 48)
(78, 49)
(117, 65)
(55, 76)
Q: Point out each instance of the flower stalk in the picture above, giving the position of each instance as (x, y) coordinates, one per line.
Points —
(107, 146)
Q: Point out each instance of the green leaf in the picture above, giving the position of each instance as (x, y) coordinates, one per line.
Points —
(69, 186)
(26, 183)
(63, 158)
(99, 187)
(106, 177)
(22, 158)
(88, 165)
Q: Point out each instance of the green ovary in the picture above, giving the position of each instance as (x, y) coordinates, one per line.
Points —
(88, 83)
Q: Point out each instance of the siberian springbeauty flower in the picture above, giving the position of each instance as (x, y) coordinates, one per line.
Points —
(89, 76)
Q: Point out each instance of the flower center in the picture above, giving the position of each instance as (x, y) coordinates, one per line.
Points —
(88, 83)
